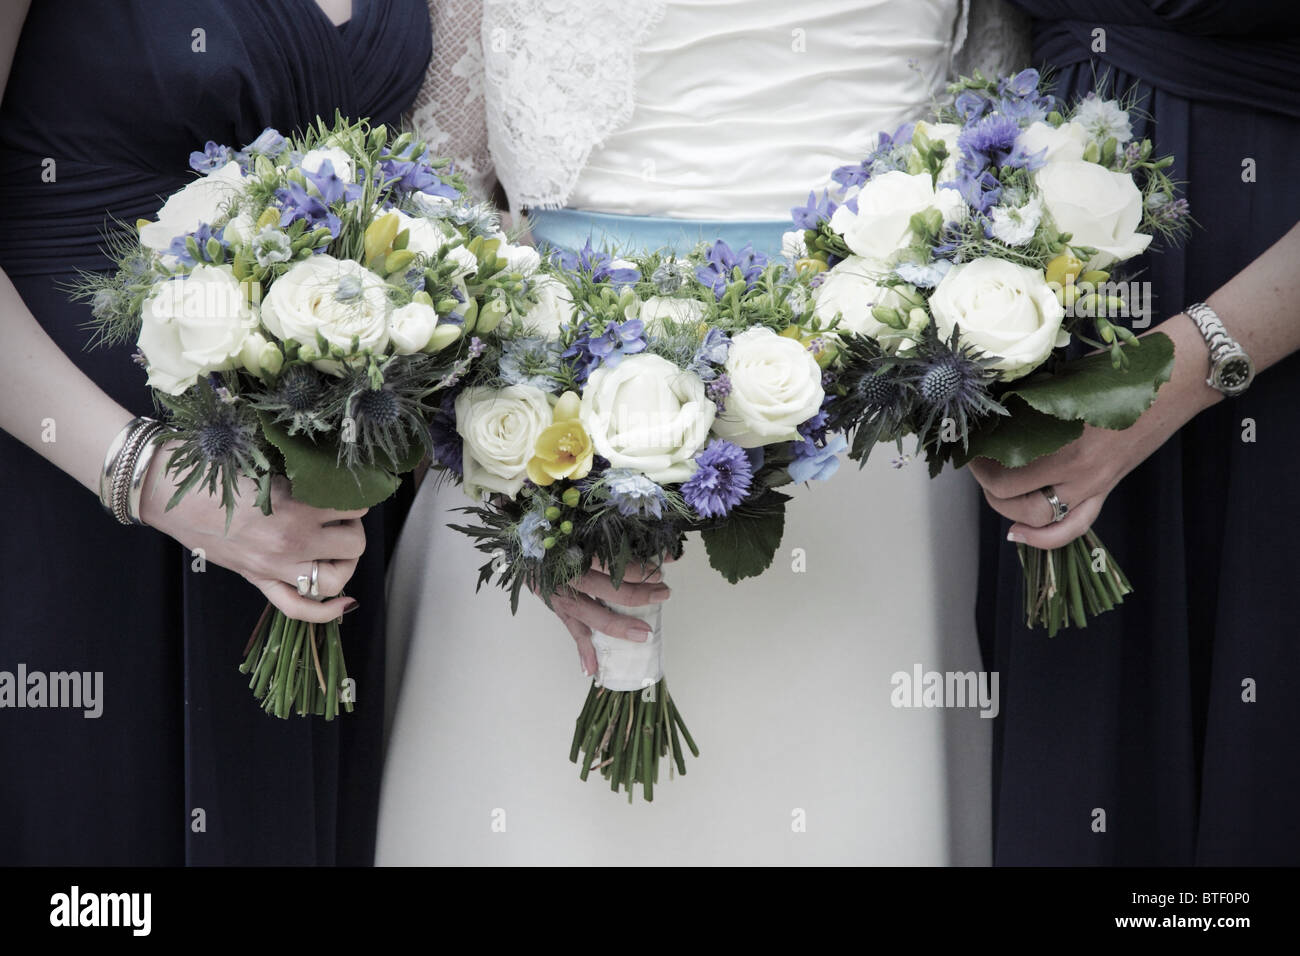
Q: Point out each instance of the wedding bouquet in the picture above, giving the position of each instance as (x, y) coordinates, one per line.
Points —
(639, 399)
(294, 308)
(957, 262)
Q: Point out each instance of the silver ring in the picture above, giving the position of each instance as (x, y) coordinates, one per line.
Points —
(304, 585)
(315, 583)
(1059, 508)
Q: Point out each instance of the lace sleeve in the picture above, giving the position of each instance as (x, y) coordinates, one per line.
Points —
(997, 40)
(449, 112)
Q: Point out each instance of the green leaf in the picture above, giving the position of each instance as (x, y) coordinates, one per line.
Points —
(1020, 437)
(319, 480)
(744, 544)
(1092, 390)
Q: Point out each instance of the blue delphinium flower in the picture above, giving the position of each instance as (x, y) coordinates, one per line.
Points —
(618, 339)
(296, 202)
(889, 154)
(269, 143)
(201, 235)
(971, 105)
(816, 211)
(532, 531)
(710, 354)
(415, 175)
(723, 263)
(531, 361)
(634, 494)
(212, 158)
(814, 462)
(721, 481)
(600, 265)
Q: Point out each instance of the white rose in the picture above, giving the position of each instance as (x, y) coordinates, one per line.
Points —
(1064, 142)
(240, 229)
(499, 428)
(776, 386)
(341, 161)
(1098, 207)
(886, 204)
(425, 237)
(1005, 310)
(186, 209)
(660, 308)
(338, 298)
(554, 309)
(411, 327)
(194, 325)
(524, 260)
(849, 291)
(945, 133)
(648, 415)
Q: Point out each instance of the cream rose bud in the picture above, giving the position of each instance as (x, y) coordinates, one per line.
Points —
(259, 356)
(1064, 142)
(660, 308)
(1005, 310)
(499, 429)
(186, 209)
(194, 325)
(648, 415)
(425, 237)
(776, 386)
(849, 291)
(338, 298)
(554, 309)
(521, 259)
(886, 204)
(411, 327)
(341, 161)
(1098, 207)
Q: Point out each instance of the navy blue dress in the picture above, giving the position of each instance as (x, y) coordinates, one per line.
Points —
(1143, 715)
(182, 767)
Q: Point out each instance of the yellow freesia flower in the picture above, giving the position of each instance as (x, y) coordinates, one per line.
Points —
(563, 449)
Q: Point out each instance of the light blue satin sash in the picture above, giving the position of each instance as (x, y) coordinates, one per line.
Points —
(570, 229)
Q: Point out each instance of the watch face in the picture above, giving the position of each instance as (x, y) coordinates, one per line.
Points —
(1234, 374)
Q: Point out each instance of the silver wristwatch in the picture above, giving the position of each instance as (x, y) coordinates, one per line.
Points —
(1231, 370)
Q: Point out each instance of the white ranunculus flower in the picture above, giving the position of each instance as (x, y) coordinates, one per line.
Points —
(850, 291)
(341, 161)
(186, 209)
(886, 203)
(522, 259)
(499, 428)
(1064, 142)
(425, 237)
(945, 133)
(1098, 207)
(554, 309)
(776, 386)
(338, 298)
(411, 327)
(1005, 310)
(659, 308)
(648, 415)
(194, 325)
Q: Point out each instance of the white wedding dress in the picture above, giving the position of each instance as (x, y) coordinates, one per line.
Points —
(736, 109)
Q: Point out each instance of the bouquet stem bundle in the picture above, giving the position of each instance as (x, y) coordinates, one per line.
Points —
(624, 733)
(1062, 584)
(296, 666)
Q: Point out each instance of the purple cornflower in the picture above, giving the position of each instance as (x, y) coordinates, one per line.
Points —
(725, 266)
(721, 481)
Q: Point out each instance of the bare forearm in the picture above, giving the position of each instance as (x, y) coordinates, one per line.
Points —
(48, 403)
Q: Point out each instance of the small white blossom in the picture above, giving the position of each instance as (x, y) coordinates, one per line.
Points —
(1016, 225)
(1103, 119)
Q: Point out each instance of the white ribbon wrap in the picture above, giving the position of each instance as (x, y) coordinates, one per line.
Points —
(631, 665)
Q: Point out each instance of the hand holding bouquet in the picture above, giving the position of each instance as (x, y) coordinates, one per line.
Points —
(293, 308)
(639, 399)
(960, 260)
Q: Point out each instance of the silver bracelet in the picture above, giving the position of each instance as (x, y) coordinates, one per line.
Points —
(125, 466)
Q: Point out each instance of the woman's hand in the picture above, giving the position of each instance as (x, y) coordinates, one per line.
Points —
(270, 551)
(583, 611)
(1083, 473)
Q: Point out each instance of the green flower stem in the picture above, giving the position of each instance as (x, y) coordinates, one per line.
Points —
(1061, 587)
(291, 672)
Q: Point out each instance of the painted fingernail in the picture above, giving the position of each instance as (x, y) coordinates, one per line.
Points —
(660, 594)
(1015, 538)
(351, 606)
